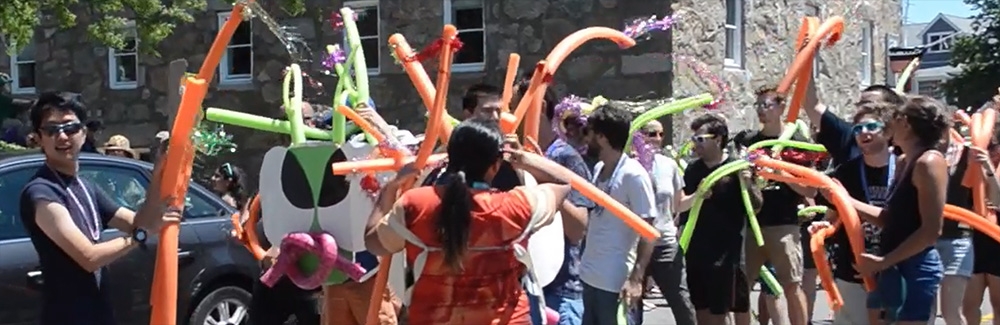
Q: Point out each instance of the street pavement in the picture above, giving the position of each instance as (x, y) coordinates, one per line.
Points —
(822, 313)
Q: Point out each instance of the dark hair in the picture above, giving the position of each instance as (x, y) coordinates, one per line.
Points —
(885, 94)
(769, 90)
(879, 109)
(237, 182)
(477, 92)
(613, 122)
(60, 101)
(928, 118)
(715, 126)
(549, 97)
(473, 148)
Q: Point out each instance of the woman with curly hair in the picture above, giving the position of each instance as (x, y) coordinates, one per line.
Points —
(909, 266)
(229, 182)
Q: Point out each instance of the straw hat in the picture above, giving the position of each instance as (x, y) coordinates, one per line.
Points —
(119, 142)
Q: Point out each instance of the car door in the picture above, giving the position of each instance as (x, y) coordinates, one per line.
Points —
(20, 301)
(132, 275)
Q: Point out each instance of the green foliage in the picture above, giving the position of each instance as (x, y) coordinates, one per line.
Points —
(979, 57)
(107, 22)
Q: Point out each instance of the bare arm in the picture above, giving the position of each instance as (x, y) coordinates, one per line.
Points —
(804, 191)
(868, 212)
(574, 221)
(54, 220)
(682, 202)
(756, 196)
(930, 177)
(813, 108)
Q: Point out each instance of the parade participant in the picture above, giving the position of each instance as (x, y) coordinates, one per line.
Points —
(118, 145)
(614, 263)
(986, 268)
(65, 215)
(94, 129)
(909, 266)
(778, 217)
(461, 236)
(859, 150)
(666, 266)
(565, 293)
(718, 282)
(230, 183)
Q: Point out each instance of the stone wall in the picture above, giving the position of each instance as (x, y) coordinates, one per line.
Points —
(770, 28)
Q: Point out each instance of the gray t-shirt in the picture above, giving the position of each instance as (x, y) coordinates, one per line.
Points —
(667, 179)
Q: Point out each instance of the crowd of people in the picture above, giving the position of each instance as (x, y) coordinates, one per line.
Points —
(462, 230)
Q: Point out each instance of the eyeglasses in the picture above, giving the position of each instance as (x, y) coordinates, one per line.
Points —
(766, 105)
(70, 128)
(655, 134)
(702, 138)
(867, 127)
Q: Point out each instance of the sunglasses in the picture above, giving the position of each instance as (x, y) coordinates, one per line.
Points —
(867, 127)
(70, 128)
(702, 138)
(766, 105)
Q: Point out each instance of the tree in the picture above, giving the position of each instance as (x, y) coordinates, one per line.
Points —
(154, 19)
(979, 57)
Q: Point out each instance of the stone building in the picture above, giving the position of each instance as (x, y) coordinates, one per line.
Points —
(748, 45)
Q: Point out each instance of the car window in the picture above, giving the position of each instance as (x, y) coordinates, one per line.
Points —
(127, 187)
(11, 184)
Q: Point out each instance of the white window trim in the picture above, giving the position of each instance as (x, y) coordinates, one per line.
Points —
(15, 85)
(365, 4)
(940, 35)
(737, 41)
(113, 55)
(867, 73)
(448, 19)
(224, 76)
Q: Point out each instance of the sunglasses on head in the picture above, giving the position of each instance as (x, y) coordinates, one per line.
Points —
(867, 127)
(702, 138)
(69, 128)
(227, 171)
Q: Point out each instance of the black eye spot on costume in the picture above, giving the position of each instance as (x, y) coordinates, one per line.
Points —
(335, 187)
(295, 183)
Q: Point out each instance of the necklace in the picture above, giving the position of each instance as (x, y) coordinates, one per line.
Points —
(95, 226)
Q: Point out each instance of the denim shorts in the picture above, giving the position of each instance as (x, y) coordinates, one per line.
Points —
(908, 290)
(570, 309)
(957, 256)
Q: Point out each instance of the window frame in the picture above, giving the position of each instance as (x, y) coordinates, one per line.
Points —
(357, 5)
(225, 78)
(449, 13)
(867, 70)
(15, 72)
(29, 168)
(736, 44)
(113, 57)
(943, 47)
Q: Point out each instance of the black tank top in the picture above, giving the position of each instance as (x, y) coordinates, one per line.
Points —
(901, 214)
(959, 196)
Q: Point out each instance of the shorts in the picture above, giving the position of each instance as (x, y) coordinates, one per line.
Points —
(957, 256)
(570, 309)
(987, 256)
(719, 289)
(347, 304)
(782, 247)
(908, 290)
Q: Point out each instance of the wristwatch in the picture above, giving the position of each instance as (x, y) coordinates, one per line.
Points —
(139, 236)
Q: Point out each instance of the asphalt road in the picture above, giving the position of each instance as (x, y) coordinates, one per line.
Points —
(822, 313)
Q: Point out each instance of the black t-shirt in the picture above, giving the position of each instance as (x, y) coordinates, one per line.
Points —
(506, 178)
(837, 136)
(70, 294)
(780, 201)
(718, 238)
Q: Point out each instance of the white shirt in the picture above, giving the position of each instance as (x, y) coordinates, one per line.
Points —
(667, 179)
(609, 252)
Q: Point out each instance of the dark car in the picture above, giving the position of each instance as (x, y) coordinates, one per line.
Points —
(215, 272)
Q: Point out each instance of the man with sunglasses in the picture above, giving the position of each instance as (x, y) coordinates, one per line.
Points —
(778, 217)
(864, 165)
(65, 216)
(717, 280)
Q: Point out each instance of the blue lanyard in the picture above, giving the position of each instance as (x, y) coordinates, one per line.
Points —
(480, 186)
(888, 178)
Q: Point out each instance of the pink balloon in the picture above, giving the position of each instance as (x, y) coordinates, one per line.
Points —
(551, 316)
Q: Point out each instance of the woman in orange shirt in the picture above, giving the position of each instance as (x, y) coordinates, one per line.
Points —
(465, 242)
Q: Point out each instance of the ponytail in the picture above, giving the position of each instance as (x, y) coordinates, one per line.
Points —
(454, 219)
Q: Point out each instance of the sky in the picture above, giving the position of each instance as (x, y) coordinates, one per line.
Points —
(923, 11)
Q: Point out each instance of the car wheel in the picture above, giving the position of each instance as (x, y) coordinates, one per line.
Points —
(223, 306)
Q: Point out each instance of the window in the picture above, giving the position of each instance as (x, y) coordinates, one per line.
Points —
(368, 29)
(127, 187)
(11, 184)
(734, 33)
(236, 65)
(22, 70)
(867, 49)
(123, 64)
(931, 88)
(469, 18)
(936, 43)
